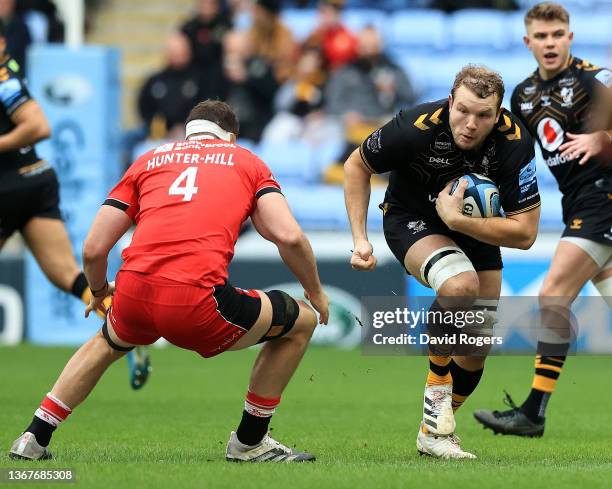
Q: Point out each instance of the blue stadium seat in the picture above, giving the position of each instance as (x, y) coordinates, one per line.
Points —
(515, 26)
(476, 28)
(301, 22)
(570, 5)
(513, 69)
(419, 67)
(321, 207)
(598, 57)
(417, 28)
(591, 30)
(290, 161)
(357, 19)
(441, 71)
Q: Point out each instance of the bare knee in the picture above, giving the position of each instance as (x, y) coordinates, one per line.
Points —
(465, 284)
(556, 292)
(305, 324)
(549, 289)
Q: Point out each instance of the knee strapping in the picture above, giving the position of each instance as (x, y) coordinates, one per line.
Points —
(285, 310)
(443, 264)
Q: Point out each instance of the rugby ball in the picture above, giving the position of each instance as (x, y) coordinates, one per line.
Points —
(481, 197)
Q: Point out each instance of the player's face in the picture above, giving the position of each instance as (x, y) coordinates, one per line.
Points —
(550, 42)
(471, 118)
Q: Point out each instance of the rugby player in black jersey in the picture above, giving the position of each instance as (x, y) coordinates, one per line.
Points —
(425, 148)
(29, 193)
(555, 103)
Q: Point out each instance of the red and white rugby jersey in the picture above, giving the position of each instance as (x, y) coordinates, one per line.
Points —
(189, 200)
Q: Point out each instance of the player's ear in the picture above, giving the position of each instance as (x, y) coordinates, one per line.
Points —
(570, 36)
(499, 111)
(526, 40)
(232, 137)
(450, 100)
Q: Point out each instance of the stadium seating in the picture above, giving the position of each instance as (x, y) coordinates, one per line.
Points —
(416, 29)
(357, 19)
(592, 30)
(290, 161)
(474, 28)
(322, 206)
(431, 47)
(301, 21)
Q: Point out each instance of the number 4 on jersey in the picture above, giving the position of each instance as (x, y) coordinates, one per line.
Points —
(189, 188)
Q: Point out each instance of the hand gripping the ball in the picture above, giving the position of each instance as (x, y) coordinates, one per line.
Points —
(450, 206)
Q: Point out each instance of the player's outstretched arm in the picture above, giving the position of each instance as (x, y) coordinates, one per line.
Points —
(356, 198)
(108, 226)
(274, 221)
(31, 126)
(513, 231)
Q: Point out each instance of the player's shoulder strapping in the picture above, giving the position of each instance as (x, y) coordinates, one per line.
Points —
(426, 116)
(511, 128)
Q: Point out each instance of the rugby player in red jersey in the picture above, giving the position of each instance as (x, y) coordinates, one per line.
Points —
(30, 196)
(188, 200)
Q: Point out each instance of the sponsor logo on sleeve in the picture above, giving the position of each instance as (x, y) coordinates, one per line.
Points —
(526, 107)
(605, 77)
(550, 134)
(373, 143)
(10, 91)
(527, 177)
(527, 174)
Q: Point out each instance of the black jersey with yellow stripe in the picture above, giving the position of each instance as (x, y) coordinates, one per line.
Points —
(552, 108)
(13, 95)
(418, 148)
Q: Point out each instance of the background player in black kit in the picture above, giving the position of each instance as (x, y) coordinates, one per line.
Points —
(555, 103)
(29, 191)
(425, 148)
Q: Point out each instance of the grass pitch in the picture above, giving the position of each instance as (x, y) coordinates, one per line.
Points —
(358, 414)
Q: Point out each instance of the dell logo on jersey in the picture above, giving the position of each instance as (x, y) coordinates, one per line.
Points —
(438, 161)
(526, 106)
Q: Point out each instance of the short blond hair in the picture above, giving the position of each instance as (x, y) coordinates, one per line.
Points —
(481, 80)
(547, 11)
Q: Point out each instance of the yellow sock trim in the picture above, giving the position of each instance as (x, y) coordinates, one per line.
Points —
(544, 384)
(458, 401)
(434, 379)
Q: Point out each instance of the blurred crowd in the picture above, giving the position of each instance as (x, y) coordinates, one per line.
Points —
(334, 85)
(29, 21)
